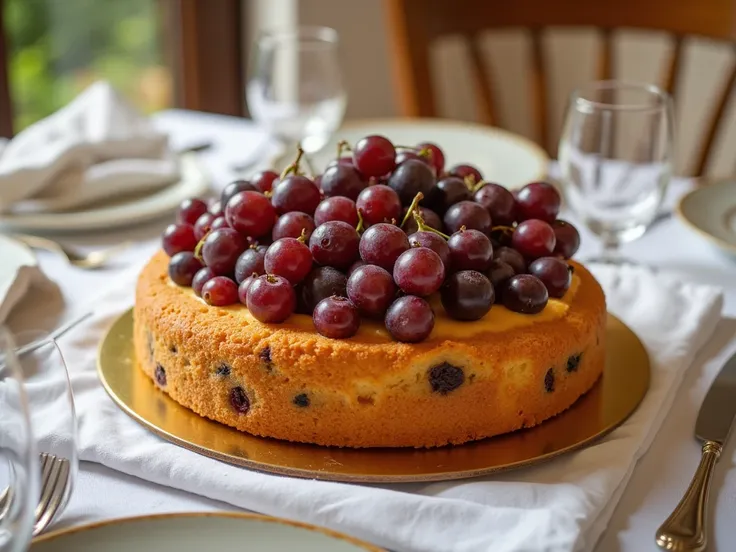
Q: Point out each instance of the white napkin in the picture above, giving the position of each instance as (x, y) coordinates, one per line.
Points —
(19, 272)
(95, 148)
(562, 505)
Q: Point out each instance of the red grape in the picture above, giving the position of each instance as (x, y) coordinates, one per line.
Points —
(336, 317)
(467, 295)
(296, 193)
(465, 170)
(449, 191)
(419, 271)
(525, 293)
(190, 210)
(290, 258)
(271, 299)
(243, 288)
(336, 208)
(378, 203)
(235, 188)
(469, 214)
(534, 238)
(342, 180)
(434, 241)
(371, 289)
(406, 154)
(179, 237)
(334, 243)
(382, 244)
(290, 225)
(470, 250)
(511, 257)
(409, 319)
(355, 266)
(203, 225)
(430, 218)
(263, 180)
(374, 156)
(499, 202)
(250, 261)
(219, 222)
(436, 157)
(567, 239)
(499, 274)
(221, 250)
(554, 273)
(250, 213)
(182, 268)
(220, 291)
(410, 178)
(320, 283)
(202, 276)
(538, 200)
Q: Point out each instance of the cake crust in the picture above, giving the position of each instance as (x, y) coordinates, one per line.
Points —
(286, 382)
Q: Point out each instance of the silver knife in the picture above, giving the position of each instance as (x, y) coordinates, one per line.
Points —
(684, 530)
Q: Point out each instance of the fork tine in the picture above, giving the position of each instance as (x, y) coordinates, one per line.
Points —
(46, 465)
(48, 489)
(56, 496)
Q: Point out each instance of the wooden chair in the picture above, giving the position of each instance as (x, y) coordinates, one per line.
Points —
(415, 24)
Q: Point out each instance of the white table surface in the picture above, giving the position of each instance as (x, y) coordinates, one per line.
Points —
(657, 483)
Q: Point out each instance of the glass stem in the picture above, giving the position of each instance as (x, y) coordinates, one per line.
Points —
(610, 253)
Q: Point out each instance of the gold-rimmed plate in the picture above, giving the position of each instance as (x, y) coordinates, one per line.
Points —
(710, 211)
(622, 387)
(193, 532)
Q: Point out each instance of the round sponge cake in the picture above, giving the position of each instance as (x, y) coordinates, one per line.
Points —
(467, 381)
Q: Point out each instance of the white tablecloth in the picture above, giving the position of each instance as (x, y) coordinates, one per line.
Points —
(658, 481)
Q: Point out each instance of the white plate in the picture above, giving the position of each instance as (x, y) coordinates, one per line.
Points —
(501, 156)
(198, 533)
(121, 212)
(18, 271)
(711, 212)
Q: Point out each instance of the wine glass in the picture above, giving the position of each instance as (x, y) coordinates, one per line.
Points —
(295, 87)
(616, 155)
(19, 470)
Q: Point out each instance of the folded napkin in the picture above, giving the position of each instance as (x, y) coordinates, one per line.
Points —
(95, 148)
(561, 505)
(19, 272)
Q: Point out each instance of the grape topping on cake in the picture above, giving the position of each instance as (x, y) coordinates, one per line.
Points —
(389, 302)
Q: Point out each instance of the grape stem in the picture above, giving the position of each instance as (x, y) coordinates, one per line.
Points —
(413, 207)
(198, 248)
(294, 167)
(343, 145)
(423, 227)
(361, 222)
(470, 181)
(478, 186)
(303, 237)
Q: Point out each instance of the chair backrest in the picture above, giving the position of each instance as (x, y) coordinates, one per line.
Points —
(415, 24)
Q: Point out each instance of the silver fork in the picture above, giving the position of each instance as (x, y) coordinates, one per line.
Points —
(54, 482)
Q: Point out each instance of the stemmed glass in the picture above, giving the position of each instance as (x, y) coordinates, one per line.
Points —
(19, 471)
(295, 87)
(616, 155)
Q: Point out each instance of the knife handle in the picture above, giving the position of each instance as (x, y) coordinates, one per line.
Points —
(684, 530)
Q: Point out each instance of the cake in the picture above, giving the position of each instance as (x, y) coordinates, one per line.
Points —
(467, 345)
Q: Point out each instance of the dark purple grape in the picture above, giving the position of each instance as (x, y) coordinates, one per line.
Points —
(244, 287)
(320, 283)
(250, 261)
(534, 238)
(334, 243)
(336, 317)
(470, 250)
(499, 274)
(419, 271)
(220, 291)
(342, 180)
(554, 273)
(538, 200)
(410, 178)
(336, 208)
(263, 180)
(374, 156)
(525, 293)
(179, 237)
(271, 299)
(382, 244)
(409, 319)
(378, 203)
(190, 210)
(499, 202)
(219, 222)
(296, 193)
(469, 214)
(467, 295)
(435, 242)
(182, 268)
(290, 225)
(567, 239)
(406, 154)
(221, 250)
(202, 276)
(371, 289)
(436, 157)
(250, 213)
(235, 188)
(344, 160)
(449, 191)
(203, 225)
(511, 257)
(216, 208)
(464, 171)
(430, 218)
(290, 258)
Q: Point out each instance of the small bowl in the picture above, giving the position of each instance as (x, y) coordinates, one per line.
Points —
(711, 212)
